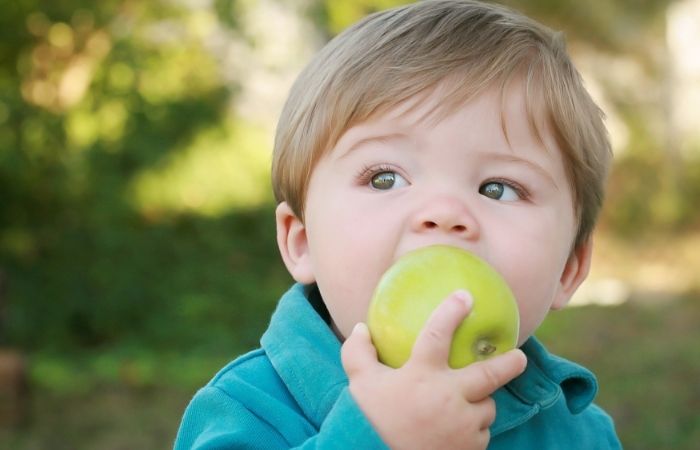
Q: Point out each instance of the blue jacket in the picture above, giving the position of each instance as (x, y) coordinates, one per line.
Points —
(293, 393)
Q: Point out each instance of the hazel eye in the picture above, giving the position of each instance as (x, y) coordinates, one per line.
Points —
(499, 191)
(387, 180)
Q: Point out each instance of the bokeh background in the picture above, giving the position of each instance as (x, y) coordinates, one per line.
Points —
(137, 250)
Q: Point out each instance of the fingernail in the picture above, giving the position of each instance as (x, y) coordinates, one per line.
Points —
(465, 297)
(360, 327)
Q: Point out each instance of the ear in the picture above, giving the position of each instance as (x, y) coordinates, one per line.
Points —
(575, 271)
(293, 245)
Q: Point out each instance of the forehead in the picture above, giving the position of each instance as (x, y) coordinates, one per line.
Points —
(507, 102)
(489, 131)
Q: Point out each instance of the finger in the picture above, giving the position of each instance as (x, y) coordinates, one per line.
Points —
(481, 440)
(358, 353)
(486, 409)
(485, 377)
(434, 340)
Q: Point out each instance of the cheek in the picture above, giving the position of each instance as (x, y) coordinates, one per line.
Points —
(534, 305)
(534, 286)
(348, 256)
(533, 270)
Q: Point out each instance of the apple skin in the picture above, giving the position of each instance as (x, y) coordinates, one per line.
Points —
(418, 282)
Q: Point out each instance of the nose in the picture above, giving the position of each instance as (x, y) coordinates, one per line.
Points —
(446, 214)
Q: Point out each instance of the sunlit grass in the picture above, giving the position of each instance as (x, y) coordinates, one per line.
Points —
(84, 372)
(647, 360)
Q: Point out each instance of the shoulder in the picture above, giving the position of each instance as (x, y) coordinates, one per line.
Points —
(247, 373)
(551, 406)
(247, 367)
(250, 380)
(598, 424)
(591, 428)
(229, 409)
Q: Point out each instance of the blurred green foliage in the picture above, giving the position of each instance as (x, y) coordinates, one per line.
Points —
(335, 16)
(124, 176)
(119, 163)
(646, 359)
(612, 25)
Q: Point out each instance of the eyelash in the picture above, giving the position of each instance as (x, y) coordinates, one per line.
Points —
(364, 176)
(522, 192)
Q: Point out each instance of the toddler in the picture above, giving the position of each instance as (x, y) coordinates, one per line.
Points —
(441, 122)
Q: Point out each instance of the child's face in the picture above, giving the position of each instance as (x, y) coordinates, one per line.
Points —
(397, 183)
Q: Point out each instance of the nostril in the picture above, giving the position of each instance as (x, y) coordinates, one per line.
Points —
(459, 228)
(430, 225)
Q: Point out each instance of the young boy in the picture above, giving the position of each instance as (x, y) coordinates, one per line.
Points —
(441, 122)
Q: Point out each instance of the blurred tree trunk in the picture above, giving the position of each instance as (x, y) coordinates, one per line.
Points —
(14, 383)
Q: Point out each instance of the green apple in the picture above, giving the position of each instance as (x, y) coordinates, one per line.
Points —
(418, 282)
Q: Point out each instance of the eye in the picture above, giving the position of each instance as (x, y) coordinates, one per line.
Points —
(386, 180)
(501, 191)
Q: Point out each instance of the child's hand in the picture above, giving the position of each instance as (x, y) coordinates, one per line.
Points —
(425, 403)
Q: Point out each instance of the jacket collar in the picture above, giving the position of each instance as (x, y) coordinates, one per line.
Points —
(547, 380)
(306, 355)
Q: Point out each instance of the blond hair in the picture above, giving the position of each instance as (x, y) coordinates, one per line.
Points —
(398, 54)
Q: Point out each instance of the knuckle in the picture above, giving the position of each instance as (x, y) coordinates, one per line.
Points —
(491, 404)
(490, 413)
(434, 334)
(346, 350)
(348, 357)
(492, 379)
(484, 438)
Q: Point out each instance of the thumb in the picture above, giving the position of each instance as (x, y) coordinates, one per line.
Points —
(489, 375)
(358, 354)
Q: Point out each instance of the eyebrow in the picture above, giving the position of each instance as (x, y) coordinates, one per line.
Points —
(379, 138)
(532, 165)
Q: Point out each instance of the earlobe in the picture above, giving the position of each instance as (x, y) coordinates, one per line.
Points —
(574, 273)
(293, 244)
